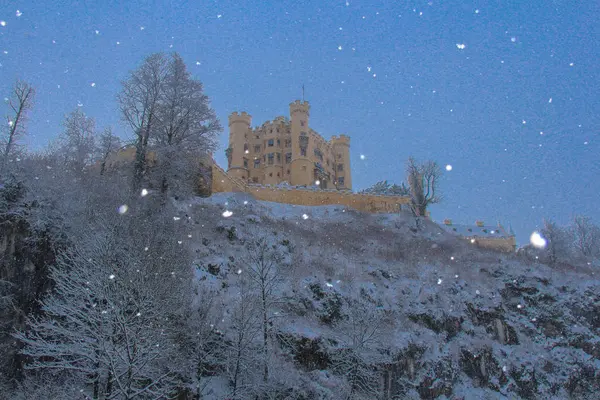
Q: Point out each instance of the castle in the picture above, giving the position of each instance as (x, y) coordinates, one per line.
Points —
(285, 161)
(287, 150)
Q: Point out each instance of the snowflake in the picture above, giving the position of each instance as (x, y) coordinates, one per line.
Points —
(123, 209)
(239, 271)
(142, 28)
(524, 122)
(439, 281)
(477, 292)
(227, 213)
(304, 216)
(460, 46)
(369, 69)
(317, 182)
(138, 314)
(448, 167)
(550, 100)
(111, 277)
(513, 39)
(571, 64)
(198, 63)
(476, 11)
(179, 242)
(18, 13)
(97, 32)
(328, 284)
(362, 156)
(144, 192)
(2, 23)
(537, 240)
(340, 47)
(176, 218)
(10, 123)
(93, 84)
(219, 15)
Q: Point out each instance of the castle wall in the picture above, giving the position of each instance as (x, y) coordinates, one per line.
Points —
(503, 244)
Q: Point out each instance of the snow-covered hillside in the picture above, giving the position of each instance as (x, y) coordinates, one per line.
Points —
(418, 314)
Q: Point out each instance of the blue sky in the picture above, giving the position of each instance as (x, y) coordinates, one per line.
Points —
(389, 74)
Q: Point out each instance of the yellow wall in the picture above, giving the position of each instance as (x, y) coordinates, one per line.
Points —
(223, 182)
(506, 244)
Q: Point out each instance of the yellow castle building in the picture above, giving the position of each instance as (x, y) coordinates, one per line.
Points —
(287, 150)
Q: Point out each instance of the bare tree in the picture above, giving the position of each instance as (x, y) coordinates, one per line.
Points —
(423, 180)
(263, 261)
(242, 335)
(357, 356)
(139, 102)
(20, 103)
(113, 319)
(558, 246)
(187, 125)
(586, 236)
(77, 141)
(108, 143)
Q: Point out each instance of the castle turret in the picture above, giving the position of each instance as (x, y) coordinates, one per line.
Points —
(341, 152)
(237, 153)
(302, 168)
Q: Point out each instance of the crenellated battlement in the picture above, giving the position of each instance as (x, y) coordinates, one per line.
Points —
(342, 139)
(242, 117)
(300, 106)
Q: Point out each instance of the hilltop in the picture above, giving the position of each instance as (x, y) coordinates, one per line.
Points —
(423, 314)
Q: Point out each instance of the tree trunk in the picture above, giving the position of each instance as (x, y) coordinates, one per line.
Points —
(265, 336)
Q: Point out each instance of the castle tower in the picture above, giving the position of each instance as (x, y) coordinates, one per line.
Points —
(302, 168)
(237, 153)
(341, 151)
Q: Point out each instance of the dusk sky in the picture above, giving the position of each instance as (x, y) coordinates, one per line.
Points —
(506, 92)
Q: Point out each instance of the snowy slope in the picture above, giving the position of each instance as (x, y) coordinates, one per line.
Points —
(455, 321)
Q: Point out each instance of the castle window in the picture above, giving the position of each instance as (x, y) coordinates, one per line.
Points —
(304, 168)
(278, 174)
(277, 130)
(278, 143)
(303, 151)
(271, 142)
(257, 163)
(288, 158)
(340, 167)
(257, 137)
(255, 179)
(288, 143)
(340, 181)
(257, 148)
(271, 158)
(278, 157)
(245, 147)
(318, 154)
(302, 123)
(245, 163)
(288, 171)
(271, 174)
(264, 157)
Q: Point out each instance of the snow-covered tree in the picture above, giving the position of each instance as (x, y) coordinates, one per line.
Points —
(139, 102)
(77, 142)
(187, 127)
(119, 303)
(586, 236)
(244, 329)
(558, 243)
(262, 263)
(19, 103)
(106, 145)
(356, 356)
(383, 187)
